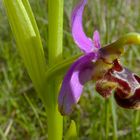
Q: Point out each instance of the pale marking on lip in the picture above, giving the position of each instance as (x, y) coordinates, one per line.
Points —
(133, 84)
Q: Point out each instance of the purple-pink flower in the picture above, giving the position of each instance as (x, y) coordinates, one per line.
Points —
(109, 75)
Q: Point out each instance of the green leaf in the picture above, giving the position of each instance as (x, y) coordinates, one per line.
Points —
(28, 40)
(71, 134)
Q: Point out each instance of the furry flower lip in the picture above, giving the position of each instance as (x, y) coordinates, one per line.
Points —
(98, 64)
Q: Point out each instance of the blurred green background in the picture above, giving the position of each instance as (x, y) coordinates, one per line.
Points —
(22, 115)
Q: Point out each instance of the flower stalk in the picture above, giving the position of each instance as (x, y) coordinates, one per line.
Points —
(55, 31)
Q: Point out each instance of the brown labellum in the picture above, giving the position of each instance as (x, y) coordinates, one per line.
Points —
(132, 102)
(124, 83)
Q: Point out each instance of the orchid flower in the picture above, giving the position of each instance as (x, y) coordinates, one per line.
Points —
(98, 64)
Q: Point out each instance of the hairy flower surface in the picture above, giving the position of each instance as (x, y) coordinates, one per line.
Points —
(98, 64)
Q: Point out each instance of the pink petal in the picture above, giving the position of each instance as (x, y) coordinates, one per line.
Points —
(79, 73)
(84, 43)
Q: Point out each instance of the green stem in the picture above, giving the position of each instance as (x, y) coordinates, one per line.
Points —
(137, 118)
(107, 119)
(55, 29)
(135, 125)
(55, 120)
(55, 125)
(114, 115)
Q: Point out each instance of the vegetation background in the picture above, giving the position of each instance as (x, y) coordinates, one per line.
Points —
(22, 115)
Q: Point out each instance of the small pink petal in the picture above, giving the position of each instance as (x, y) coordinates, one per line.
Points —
(96, 39)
